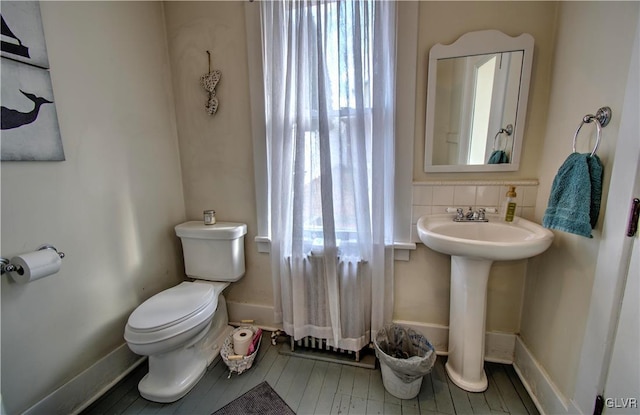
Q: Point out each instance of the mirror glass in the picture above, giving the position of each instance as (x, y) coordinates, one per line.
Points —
(476, 102)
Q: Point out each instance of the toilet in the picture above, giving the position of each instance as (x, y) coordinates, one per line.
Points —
(182, 328)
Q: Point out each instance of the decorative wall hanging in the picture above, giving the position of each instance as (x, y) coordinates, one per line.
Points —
(209, 82)
(29, 124)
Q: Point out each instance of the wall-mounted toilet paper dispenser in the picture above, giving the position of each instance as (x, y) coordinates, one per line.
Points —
(32, 265)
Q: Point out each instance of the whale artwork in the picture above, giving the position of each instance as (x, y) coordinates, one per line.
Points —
(28, 119)
(13, 119)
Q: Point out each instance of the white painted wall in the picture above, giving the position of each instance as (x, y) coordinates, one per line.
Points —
(216, 151)
(590, 68)
(623, 377)
(111, 206)
(615, 293)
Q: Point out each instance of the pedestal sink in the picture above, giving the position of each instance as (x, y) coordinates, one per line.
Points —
(473, 247)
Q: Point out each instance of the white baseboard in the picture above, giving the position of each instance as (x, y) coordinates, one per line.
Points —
(262, 315)
(84, 389)
(544, 393)
(437, 335)
(498, 347)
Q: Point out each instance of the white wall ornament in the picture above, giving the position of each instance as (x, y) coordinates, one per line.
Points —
(209, 82)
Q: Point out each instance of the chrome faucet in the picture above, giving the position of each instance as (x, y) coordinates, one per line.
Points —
(471, 215)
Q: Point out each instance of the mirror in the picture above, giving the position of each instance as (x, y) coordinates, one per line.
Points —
(477, 95)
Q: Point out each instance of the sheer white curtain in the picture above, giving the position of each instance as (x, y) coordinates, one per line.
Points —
(329, 104)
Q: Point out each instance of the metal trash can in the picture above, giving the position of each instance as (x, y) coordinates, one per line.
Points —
(405, 357)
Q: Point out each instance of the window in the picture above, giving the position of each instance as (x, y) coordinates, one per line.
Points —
(407, 31)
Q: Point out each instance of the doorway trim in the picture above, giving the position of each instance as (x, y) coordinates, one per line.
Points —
(615, 249)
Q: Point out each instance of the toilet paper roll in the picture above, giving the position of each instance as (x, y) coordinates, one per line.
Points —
(241, 341)
(34, 265)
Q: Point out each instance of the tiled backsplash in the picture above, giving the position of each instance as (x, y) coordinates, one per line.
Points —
(436, 197)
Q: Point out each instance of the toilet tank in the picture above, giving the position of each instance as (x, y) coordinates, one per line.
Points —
(213, 252)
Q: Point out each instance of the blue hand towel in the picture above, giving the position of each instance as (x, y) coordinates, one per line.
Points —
(498, 157)
(574, 202)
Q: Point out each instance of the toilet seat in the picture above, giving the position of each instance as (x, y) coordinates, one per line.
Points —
(171, 312)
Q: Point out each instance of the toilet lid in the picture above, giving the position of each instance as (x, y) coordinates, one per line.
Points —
(171, 306)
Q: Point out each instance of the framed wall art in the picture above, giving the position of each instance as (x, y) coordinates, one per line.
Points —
(29, 121)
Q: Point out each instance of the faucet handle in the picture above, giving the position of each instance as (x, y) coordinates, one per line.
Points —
(481, 213)
(459, 213)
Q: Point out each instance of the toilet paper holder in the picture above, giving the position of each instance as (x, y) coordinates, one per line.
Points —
(7, 266)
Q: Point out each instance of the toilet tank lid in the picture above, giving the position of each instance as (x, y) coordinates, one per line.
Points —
(219, 230)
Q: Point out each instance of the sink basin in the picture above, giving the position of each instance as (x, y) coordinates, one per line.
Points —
(494, 240)
(473, 247)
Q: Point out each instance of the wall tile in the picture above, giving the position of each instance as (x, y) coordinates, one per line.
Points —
(487, 196)
(464, 195)
(436, 197)
(414, 234)
(419, 210)
(529, 196)
(422, 195)
(529, 213)
(440, 208)
(443, 195)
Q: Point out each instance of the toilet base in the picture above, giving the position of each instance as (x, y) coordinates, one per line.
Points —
(220, 329)
(172, 375)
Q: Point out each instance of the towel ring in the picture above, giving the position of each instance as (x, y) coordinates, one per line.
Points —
(508, 130)
(602, 118)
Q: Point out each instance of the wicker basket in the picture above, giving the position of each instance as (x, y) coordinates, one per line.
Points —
(238, 365)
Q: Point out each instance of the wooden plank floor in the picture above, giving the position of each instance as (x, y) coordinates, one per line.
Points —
(316, 387)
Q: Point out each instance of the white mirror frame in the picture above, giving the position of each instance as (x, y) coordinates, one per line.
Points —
(479, 43)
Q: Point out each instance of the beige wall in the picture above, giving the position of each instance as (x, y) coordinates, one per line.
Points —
(422, 284)
(422, 291)
(110, 206)
(216, 151)
(590, 70)
(196, 27)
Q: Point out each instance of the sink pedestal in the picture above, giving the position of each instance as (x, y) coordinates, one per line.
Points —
(467, 316)
(473, 247)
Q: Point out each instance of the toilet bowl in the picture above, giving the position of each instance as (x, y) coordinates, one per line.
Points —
(182, 328)
(170, 328)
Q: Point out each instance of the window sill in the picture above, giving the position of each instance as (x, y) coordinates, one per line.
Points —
(263, 243)
(401, 249)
